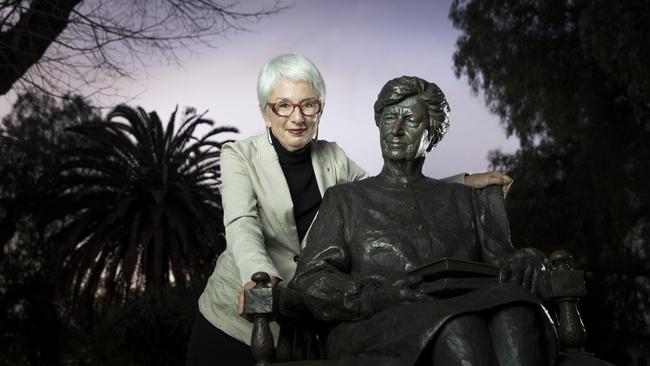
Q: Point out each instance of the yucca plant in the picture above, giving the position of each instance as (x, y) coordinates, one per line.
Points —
(141, 206)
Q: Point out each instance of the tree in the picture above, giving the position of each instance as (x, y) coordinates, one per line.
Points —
(31, 140)
(32, 137)
(53, 45)
(570, 79)
(141, 205)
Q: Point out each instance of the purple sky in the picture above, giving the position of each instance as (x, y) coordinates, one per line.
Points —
(358, 46)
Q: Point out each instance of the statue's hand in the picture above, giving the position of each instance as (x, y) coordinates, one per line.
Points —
(523, 268)
(388, 295)
(482, 180)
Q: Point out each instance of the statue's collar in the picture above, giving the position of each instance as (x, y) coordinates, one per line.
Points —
(387, 179)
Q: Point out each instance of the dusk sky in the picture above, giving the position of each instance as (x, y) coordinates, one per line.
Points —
(358, 46)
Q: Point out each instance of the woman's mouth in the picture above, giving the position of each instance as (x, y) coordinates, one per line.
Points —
(297, 131)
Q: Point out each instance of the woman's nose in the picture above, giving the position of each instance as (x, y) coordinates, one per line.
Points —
(296, 115)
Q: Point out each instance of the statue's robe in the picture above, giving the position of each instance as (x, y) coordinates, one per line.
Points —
(376, 230)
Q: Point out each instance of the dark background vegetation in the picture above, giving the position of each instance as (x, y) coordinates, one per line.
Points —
(109, 230)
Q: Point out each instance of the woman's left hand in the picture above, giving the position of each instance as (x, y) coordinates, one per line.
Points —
(482, 180)
(247, 286)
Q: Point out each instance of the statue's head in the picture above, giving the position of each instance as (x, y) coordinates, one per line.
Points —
(412, 115)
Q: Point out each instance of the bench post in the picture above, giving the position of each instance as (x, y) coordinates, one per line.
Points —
(258, 303)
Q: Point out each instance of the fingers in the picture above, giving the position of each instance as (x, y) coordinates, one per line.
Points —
(274, 282)
(533, 284)
(415, 281)
(240, 304)
(482, 180)
(410, 281)
(406, 294)
(515, 274)
(240, 299)
(527, 277)
(506, 187)
(504, 273)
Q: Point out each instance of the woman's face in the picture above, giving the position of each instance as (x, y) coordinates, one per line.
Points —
(296, 130)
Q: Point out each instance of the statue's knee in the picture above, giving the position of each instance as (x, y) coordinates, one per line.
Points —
(520, 313)
(466, 324)
(463, 340)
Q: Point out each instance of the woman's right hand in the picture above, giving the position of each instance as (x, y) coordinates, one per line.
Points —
(247, 286)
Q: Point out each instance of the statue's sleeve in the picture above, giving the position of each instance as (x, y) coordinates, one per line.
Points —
(323, 272)
(492, 223)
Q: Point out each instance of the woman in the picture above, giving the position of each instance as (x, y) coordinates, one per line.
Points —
(272, 185)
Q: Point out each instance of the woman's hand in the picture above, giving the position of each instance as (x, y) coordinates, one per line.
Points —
(482, 180)
(247, 286)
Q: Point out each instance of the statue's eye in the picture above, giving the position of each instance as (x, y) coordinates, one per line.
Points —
(389, 117)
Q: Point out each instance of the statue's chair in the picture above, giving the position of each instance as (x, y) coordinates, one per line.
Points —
(302, 337)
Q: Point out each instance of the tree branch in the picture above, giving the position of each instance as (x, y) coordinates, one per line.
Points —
(25, 43)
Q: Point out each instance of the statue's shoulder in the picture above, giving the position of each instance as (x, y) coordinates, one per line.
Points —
(351, 188)
(461, 194)
(445, 185)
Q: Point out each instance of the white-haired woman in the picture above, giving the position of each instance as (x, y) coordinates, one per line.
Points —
(272, 185)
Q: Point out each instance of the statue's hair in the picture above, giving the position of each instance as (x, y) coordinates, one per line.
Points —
(290, 66)
(398, 89)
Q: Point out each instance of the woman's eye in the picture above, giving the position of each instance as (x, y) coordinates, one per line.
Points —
(283, 105)
(309, 104)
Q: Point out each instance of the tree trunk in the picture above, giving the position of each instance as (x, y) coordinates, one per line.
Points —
(23, 45)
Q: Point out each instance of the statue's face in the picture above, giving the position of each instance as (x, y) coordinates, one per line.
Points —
(403, 130)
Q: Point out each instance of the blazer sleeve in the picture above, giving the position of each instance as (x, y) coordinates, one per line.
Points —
(244, 234)
(458, 178)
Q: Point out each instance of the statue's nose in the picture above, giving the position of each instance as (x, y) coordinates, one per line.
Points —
(398, 130)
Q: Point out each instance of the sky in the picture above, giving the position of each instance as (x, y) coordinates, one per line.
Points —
(357, 46)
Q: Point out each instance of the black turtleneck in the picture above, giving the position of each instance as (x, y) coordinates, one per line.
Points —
(299, 173)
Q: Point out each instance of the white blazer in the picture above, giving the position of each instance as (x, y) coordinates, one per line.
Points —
(260, 228)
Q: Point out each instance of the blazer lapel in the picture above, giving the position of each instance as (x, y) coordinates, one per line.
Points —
(271, 173)
(323, 169)
(324, 172)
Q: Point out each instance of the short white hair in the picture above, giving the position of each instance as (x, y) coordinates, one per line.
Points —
(290, 66)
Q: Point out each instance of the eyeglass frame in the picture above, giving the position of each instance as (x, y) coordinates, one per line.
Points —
(294, 105)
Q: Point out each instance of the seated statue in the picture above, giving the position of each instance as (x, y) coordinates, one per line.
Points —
(369, 236)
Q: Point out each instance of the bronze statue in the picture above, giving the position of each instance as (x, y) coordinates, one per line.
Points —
(357, 267)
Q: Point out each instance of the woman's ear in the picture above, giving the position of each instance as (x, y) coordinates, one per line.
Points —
(265, 116)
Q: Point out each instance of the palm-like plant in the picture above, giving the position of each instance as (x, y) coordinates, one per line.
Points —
(141, 206)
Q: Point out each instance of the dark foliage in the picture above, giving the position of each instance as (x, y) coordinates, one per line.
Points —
(32, 139)
(151, 329)
(571, 80)
(141, 207)
(107, 182)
